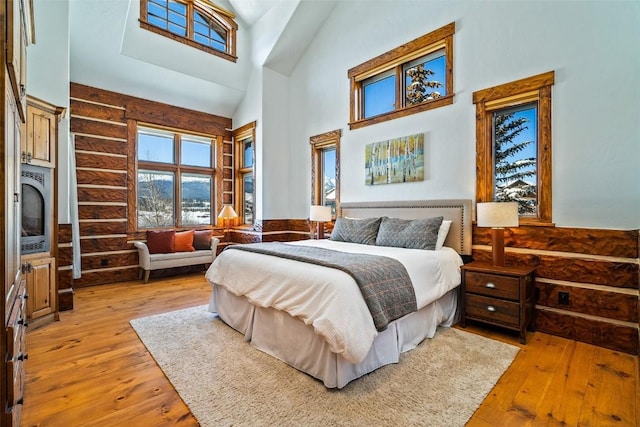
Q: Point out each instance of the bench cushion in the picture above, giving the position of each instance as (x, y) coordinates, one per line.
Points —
(179, 255)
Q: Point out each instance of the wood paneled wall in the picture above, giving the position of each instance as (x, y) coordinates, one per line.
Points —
(598, 269)
(272, 230)
(104, 127)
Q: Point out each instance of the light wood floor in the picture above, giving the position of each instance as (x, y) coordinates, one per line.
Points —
(90, 368)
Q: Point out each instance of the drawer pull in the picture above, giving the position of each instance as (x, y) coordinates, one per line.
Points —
(491, 308)
(490, 285)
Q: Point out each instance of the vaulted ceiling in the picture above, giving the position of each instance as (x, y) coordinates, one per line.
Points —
(107, 46)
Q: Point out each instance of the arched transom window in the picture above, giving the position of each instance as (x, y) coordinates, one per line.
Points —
(197, 23)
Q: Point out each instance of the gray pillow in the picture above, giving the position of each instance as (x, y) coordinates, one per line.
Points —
(351, 230)
(409, 233)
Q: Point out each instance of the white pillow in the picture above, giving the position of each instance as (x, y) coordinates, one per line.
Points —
(442, 233)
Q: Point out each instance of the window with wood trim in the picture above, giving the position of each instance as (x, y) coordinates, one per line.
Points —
(175, 178)
(197, 23)
(325, 170)
(412, 78)
(513, 146)
(245, 155)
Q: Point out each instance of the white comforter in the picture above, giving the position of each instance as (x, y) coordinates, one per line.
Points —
(327, 298)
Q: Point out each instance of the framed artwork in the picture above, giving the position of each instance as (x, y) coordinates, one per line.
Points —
(395, 160)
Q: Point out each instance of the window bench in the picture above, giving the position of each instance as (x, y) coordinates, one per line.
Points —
(148, 262)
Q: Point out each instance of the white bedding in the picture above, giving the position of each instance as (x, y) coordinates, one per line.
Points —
(328, 299)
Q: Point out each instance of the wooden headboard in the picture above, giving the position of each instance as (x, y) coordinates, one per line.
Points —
(456, 210)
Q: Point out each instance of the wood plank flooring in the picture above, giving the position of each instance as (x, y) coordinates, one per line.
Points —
(90, 369)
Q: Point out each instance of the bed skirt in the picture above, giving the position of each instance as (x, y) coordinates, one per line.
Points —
(290, 340)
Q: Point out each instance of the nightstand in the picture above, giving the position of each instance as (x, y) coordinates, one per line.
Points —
(497, 295)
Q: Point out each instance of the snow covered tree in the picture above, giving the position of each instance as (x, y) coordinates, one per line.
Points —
(511, 175)
(155, 202)
(417, 89)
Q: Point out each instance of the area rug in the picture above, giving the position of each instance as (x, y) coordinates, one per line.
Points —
(225, 381)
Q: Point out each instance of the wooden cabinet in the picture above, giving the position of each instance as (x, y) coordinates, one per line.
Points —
(12, 343)
(501, 296)
(40, 274)
(17, 33)
(39, 146)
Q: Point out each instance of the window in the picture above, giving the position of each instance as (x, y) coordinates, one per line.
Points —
(197, 23)
(415, 77)
(325, 167)
(244, 138)
(513, 146)
(175, 178)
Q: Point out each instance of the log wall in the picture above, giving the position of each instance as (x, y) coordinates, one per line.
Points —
(598, 269)
(104, 127)
(274, 230)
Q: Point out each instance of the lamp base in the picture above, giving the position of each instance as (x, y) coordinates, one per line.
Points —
(497, 246)
(319, 230)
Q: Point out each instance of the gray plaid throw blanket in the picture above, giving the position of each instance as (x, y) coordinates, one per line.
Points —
(384, 282)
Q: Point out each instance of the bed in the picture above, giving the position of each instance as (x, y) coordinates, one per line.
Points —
(315, 319)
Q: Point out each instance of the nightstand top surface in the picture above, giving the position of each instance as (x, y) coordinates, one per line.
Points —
(482, 267)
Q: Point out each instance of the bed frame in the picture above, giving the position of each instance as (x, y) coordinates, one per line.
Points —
(456, 210)
(282, 336)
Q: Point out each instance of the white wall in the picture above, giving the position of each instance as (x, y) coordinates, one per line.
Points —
(275, 164)
(591, 46)
(48, 79)
(271, 165)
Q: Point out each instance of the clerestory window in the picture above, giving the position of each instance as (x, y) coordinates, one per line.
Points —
(409, 79)
(197, 23)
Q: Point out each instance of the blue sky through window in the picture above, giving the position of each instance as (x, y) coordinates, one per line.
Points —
(380, 96)
(196, 153)
(155, 147)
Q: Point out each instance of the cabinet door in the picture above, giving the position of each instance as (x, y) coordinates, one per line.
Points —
(41, 287)
(40, 147)
(16, 52)
(12, 205)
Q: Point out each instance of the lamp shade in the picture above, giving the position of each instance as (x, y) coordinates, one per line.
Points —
(497, 214)
(320, 213)
(227, 212)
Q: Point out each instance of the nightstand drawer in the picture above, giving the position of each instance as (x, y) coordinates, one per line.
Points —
(500, 312)
(492, 285)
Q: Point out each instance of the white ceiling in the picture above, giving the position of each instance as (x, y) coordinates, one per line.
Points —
(249, 11)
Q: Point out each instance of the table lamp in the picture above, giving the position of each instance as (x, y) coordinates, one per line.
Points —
(497, 215)
(320, 214)
(227, 214)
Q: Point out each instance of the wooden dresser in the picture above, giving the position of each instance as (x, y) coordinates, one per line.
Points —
(501, 296)
(18, 33)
